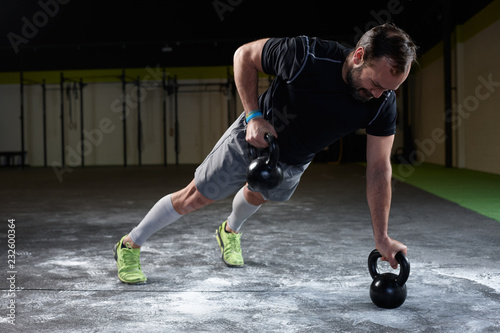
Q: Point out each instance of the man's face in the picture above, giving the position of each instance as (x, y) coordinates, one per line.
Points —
(359, 93)
(369, 81)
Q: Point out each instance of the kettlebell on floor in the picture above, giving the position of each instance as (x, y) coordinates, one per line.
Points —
(388, 290)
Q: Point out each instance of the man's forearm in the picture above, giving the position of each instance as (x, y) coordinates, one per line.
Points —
(246, 79)
(247, 65)
(379, 193)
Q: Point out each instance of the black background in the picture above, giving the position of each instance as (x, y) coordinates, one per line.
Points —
(83, 34)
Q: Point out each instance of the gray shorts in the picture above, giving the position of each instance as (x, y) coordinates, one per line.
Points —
(223, 172)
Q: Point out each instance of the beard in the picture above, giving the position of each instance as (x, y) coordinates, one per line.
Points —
(354, 83)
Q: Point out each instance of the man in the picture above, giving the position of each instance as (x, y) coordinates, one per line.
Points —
(322, 92)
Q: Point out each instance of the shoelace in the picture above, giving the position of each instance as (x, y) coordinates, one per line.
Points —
(131, 258)
(234, 244)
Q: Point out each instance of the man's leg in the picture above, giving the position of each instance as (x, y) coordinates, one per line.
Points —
(166, 211)
(161, 215)
(245, 204)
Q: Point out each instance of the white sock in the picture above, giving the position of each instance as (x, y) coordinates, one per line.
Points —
(242, 210)
(161, 215)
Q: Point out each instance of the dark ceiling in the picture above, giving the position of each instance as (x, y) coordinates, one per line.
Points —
(84, 34)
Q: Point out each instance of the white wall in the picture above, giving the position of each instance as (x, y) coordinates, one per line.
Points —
(202, 113)
(481, 102)
(428, 115)
(476, 94)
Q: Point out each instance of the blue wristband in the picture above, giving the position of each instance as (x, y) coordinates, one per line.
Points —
(253, 114)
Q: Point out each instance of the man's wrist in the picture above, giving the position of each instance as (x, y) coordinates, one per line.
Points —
(383, 239)
(254, 114)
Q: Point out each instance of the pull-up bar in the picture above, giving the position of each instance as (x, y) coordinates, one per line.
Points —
(124, 119)
(82, 142)
(22, 121)
(139, 120)
(172, 87)
(137, 82)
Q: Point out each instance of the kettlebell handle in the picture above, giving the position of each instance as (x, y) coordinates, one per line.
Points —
(274, 153)
(404, 271)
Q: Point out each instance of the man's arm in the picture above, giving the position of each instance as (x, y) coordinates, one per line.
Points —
(247, 65)
(379, 193)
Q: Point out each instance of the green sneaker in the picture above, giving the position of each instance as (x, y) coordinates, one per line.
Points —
(128, 263)
(230, 246)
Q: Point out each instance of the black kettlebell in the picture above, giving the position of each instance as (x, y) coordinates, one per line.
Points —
(388, 290)
(264, 172)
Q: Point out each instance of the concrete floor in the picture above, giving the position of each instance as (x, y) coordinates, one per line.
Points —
(305, 269)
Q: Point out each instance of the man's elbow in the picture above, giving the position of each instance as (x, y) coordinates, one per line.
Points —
(250, 53)
(239, 54)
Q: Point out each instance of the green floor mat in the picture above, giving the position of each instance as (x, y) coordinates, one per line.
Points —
(478, 191)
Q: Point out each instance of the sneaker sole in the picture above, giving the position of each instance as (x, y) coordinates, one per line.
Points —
(221, 245)
(115, 254)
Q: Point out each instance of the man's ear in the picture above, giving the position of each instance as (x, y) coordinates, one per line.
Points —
(357, 57)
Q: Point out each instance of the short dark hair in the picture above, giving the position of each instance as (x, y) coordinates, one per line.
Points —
(389, 41)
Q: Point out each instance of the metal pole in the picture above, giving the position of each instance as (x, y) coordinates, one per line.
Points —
(22, 119)
(139, 123)
(164, 119)
(44, 113)
(124, 120)
(61, 86)
(408, 146)
(176, 88)
(82, 146)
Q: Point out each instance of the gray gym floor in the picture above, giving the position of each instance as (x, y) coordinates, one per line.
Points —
(306, 259)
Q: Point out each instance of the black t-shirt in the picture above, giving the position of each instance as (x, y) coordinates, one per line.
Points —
(310, 105)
